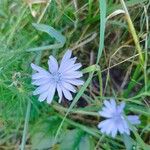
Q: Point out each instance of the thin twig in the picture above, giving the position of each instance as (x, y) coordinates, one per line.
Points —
(121, 62)
(85, 42)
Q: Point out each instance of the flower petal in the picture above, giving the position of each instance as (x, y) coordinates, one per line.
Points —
(41, 75)
(39, 69)
(74, 67)
(67, 65)
(109, 107)
(75, 81)
(105, 114)
(121, 107)
(66, 93)
(41, 81)
(110, 128)
(68, 86)
(53, 64)
(107, 103)
(126, 127)
(59, 93)
(41, 89)
(51, 93)
(72, 75)
(38, 76)
(133, 119)
(114, 132)
(66, 56)
(103, 130)
(120, 128)
(113, 104)
(104, 123)
(43, 96)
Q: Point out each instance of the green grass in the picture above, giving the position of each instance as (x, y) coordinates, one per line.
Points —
(115, 64)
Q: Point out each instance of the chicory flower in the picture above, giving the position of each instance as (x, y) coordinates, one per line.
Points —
(115, 121)
(63, 78)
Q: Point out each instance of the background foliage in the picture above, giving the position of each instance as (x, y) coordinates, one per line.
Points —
(26, 123)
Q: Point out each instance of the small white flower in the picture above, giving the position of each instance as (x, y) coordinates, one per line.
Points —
(61, 78)
(115, 121)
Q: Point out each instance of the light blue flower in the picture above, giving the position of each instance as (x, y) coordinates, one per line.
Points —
(115, 121)
(61, 77)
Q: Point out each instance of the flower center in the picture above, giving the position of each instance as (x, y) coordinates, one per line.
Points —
(56, 77)
(117, 117)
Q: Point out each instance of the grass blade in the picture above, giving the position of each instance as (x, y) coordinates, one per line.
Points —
(102, 6)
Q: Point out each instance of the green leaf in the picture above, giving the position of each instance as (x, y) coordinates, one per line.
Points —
(53, 33)
(71, 139)
(40, 141)
(86, 143)
(90, 69)
(128, 141)
(43, 132)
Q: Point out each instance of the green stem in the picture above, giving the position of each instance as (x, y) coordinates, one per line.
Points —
(91, 131)
(75, 111)
(133, 32)
(146, 49)
(134, 77)
(26, 125)
(100, 81)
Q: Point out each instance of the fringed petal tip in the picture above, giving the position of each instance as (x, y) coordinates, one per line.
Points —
(32, 65)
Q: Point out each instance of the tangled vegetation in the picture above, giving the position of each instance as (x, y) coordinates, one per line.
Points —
(111, 40)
